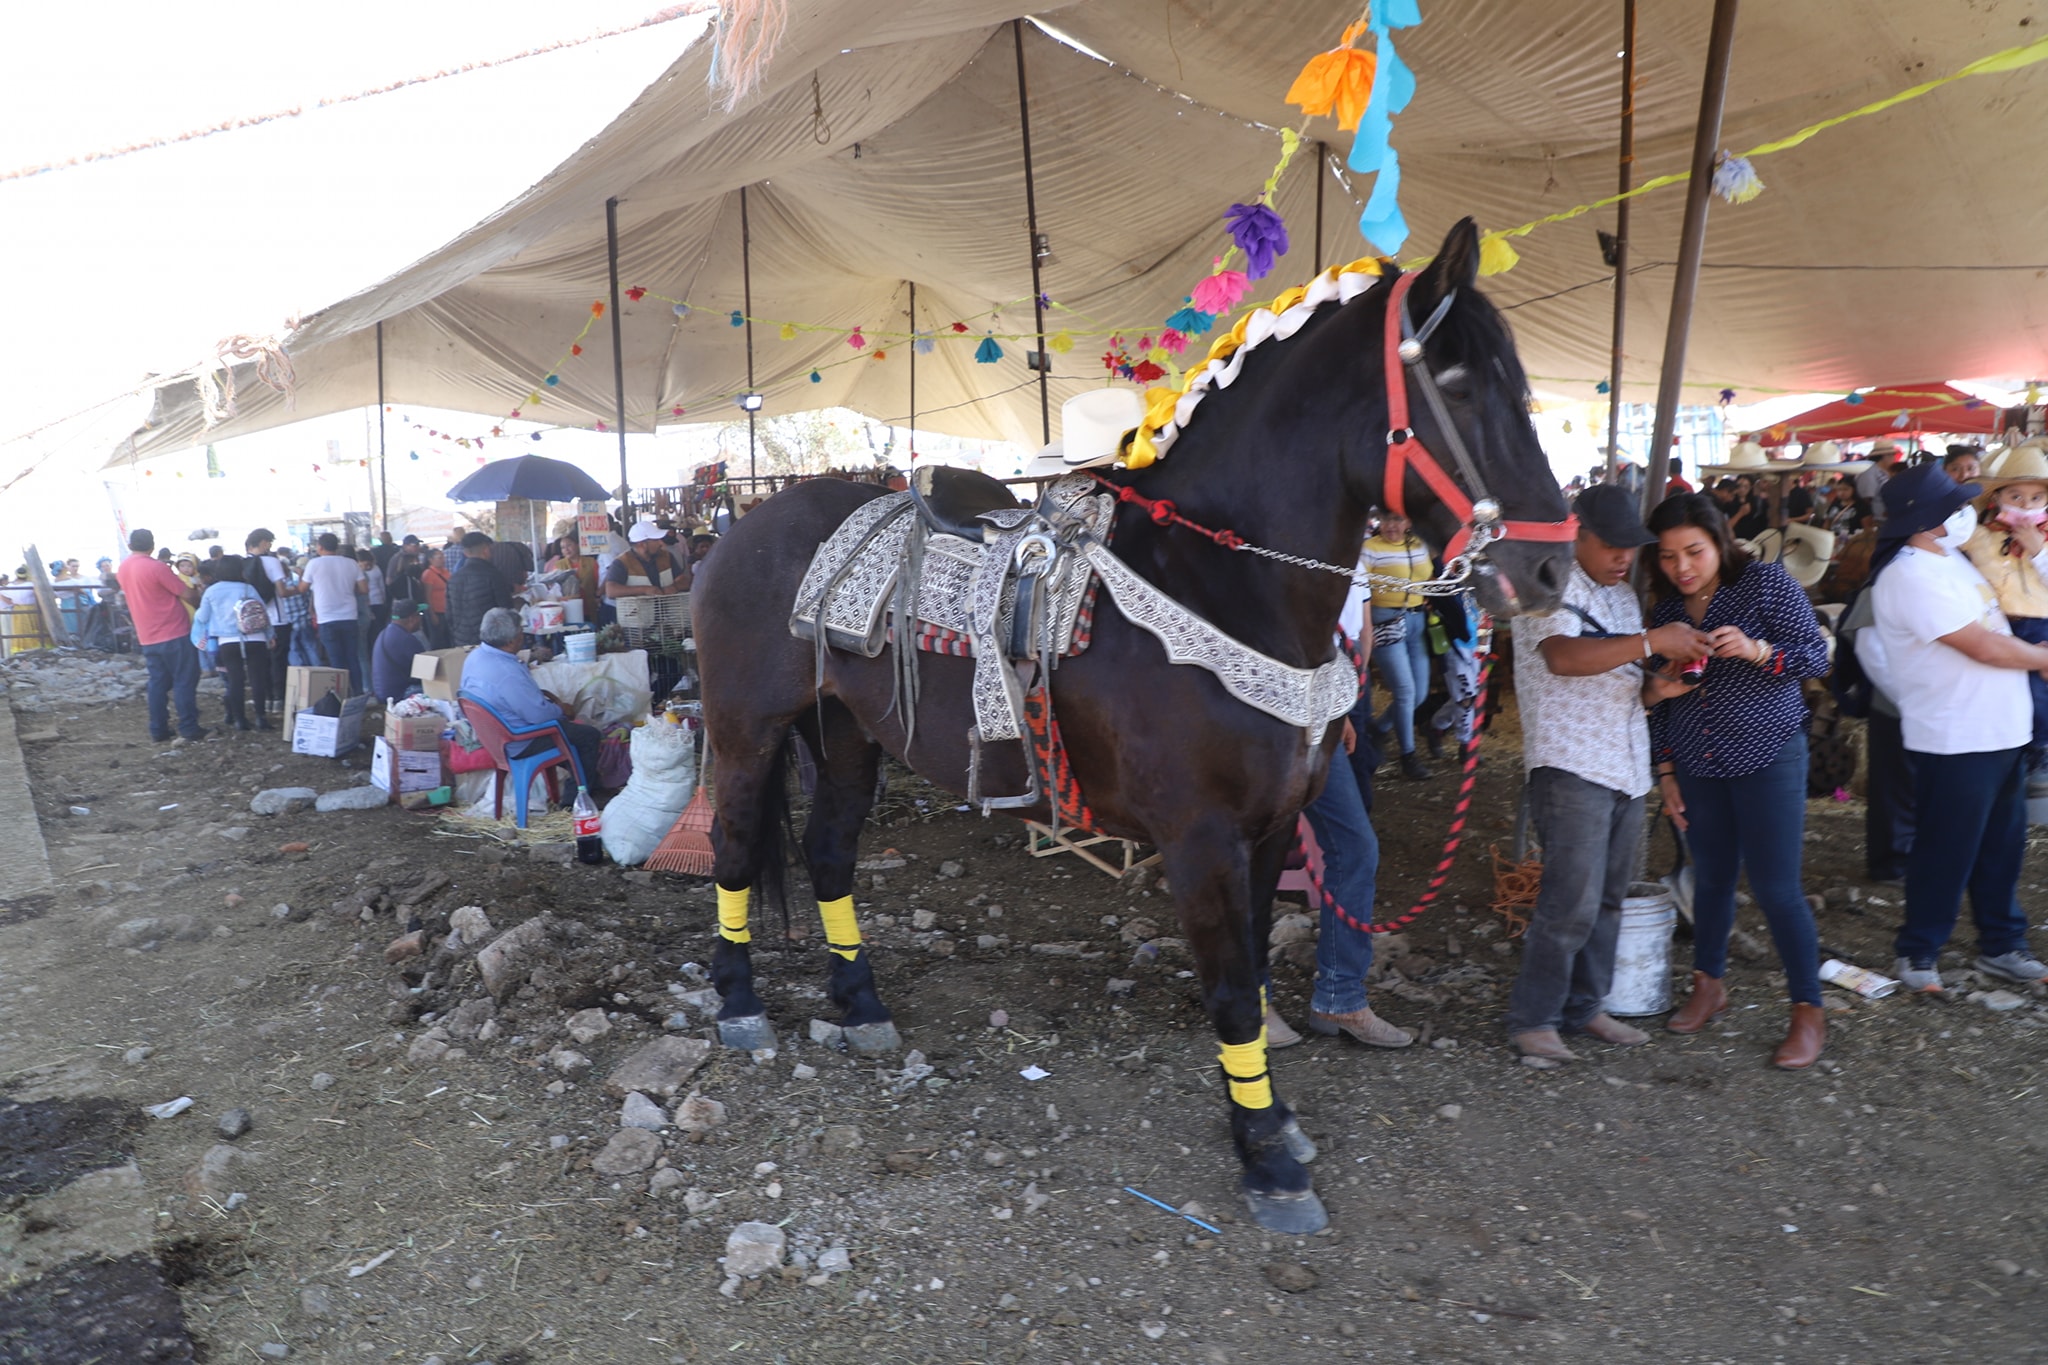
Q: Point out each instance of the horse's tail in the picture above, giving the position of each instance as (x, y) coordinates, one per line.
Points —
(777, 832)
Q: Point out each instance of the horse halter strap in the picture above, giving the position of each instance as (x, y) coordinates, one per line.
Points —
(1404, 348)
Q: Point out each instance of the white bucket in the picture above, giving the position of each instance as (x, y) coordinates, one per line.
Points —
(1642, 952)
(580, 648)
(572, 611)
(544, 618)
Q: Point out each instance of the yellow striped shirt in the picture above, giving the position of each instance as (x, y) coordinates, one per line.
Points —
(1407, 559)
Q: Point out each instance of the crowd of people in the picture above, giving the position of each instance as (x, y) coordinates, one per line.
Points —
(367, 611)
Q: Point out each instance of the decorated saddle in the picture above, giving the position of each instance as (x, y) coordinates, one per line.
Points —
(955, 565)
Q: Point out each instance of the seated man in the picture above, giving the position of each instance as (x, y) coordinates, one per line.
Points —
(392, 655)
(494, 675)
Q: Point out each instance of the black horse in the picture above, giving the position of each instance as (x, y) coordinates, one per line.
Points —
(1292, 457)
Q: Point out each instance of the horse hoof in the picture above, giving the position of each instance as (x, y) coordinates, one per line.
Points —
(1299, 1146)
(748, 1033)
(874, 1040)
(1296, 1214)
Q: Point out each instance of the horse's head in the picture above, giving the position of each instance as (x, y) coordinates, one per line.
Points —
(1464, 463)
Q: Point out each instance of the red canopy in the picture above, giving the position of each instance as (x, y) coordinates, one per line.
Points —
(1877, 412)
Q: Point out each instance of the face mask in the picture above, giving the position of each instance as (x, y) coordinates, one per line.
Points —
(2031, 516)
(1958, 527)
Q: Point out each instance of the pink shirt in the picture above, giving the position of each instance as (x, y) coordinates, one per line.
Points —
(156, 599)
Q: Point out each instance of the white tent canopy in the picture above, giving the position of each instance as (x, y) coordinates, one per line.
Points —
(882, 150)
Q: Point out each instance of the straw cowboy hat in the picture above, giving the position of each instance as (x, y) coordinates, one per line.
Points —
(1827, 456)
(1747, 458)
(2026, 463)
(1803, 551)
(1091, 426)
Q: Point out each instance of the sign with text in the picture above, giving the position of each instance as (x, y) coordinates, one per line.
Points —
(593, 527)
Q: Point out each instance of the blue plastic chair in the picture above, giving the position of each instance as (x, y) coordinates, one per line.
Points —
(498, 739)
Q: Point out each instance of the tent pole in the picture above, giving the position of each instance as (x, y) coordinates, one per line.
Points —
(1692, 241)
(747, 304)
(1044, 361)
(1626, 182)
(384, 489)
(913, 371)
(611, 255)
(1323, 169)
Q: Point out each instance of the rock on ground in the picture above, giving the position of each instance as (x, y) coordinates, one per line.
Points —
(660, 1068)
(506, 959)
(754, 1249)
(471, 922)
(587, 1026)
(283, 800)
(640, 1112)
(630, 1151)
(699, 1115)
(352, 798)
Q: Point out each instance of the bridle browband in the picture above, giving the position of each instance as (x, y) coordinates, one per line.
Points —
(1477, 515)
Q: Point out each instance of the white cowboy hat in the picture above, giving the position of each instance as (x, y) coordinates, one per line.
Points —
(1092, 425)
(1802, 550)
(1828, 456)
(2025, 463)
(1747, 458)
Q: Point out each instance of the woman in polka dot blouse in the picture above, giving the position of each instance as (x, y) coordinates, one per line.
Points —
(1730, 756)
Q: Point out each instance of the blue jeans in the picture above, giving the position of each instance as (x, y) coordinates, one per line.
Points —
(1757, 822)
(1589, 834)
(338, 642)
(173, 672)
(2034, 630)
(1888, 820)
(1972, 811)
(1351, 865)
(305, 649)
(1405, 670)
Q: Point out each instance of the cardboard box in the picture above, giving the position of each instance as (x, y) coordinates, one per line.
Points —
(439, 671)
(404, 770)
(418, 734)
(329, 736)
(304, 686)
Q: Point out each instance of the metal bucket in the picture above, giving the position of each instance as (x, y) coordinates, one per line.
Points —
(1642, 952)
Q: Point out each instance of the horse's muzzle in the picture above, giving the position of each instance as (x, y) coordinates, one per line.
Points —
(1518, 578)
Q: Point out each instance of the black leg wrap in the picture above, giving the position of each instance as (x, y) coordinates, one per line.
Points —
(1276, 1185)
(870, 1030)
(742, 1018)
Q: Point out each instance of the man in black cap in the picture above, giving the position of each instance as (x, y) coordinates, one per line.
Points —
(1951, 661)
(1581, 680)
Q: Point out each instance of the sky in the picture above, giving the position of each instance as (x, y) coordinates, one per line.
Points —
(114, 270)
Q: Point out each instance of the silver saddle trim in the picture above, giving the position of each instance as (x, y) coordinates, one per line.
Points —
(1306, 697)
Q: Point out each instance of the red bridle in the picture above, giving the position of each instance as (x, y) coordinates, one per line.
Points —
(1405, 452)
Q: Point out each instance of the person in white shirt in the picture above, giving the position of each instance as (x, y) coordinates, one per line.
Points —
(1948, 656)
(1586, 744)
(335, 582)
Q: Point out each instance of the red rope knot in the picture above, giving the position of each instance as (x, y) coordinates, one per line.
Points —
(1230, 540)
(1163, 512)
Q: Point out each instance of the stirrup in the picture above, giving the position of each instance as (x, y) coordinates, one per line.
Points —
(1031, 795)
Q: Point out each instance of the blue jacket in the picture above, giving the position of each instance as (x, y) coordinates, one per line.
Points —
(502, 683)
(215, 619)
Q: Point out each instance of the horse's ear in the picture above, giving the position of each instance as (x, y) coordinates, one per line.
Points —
(1456, 265)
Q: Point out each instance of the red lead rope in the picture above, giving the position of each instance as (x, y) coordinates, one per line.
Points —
(1469, 755)
(1164, 513)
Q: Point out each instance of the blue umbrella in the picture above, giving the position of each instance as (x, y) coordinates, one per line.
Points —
(527, 476)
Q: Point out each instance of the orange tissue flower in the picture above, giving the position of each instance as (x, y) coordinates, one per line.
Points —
(1339, 80)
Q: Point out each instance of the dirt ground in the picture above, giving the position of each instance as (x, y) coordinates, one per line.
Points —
(402, 1200)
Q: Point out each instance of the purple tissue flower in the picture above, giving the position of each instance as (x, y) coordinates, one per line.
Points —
(1260, 234)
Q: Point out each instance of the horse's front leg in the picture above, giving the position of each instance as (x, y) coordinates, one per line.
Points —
(847, 765)
(1215, 874)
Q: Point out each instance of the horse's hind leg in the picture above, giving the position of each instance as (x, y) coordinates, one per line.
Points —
(847, 765)
(1215, 877)
(751, 802)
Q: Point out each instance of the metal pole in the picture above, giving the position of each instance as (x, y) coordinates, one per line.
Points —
(1692, 241)
(1322, 170)
(1626, 183)
(611, 253)
(384, 488)
(913, 372)
(747, 306)
(1031, 225)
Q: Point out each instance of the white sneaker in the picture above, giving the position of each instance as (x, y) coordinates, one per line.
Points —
(1917, 976)
(2018, 965)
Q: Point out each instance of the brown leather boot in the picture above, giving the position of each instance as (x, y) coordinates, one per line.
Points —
(1803, 1040)
(1708, 1002)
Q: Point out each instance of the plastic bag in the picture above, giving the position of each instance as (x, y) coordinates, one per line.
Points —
(664, 776)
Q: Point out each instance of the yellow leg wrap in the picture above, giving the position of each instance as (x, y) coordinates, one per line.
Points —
(732, 916)
(1244, 1069)
(842, 930)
